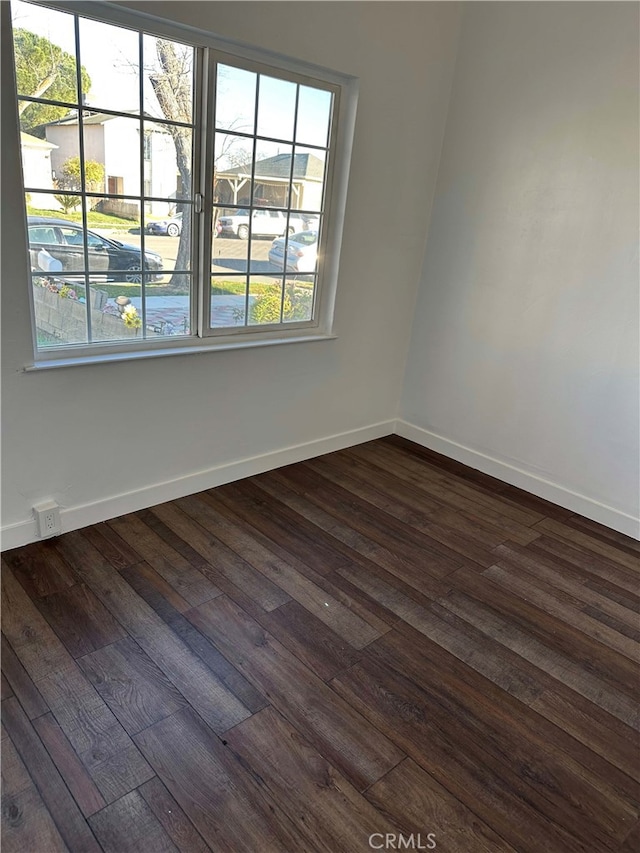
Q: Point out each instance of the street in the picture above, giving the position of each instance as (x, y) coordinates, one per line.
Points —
(229, 254)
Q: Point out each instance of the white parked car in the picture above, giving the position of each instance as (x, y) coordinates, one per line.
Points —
(302, 252)
(264, 223)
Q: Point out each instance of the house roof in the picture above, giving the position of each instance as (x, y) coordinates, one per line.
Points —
(305, 167)
(91, 118)
(29, 141)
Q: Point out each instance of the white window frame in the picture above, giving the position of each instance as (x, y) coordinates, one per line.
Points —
(212, 49)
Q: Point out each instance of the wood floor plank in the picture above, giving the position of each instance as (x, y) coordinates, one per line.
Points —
(369, 521)
(570, 553)
(27, 825)
(442, 490)
(21, 684)
(456, 543)
(134, 688)
(227, 806)
(222, 559)
(543, 570)
(33, 641)
(309, 640)
(75, 775)
(81, 622)
(5, 688)
(605, 663)
(113, 548)
(586, 778)
(555, 663)
(465, 482)
(557, 529)
(282, 529)
(129, 826)
(40, 570)
(313, 598)
(360, 752)
(472, 522)
(184, 578)
(424, 808)
(252, 699)
(55, 794)
(331, 814)
(416, 570)
(102, 745)
(567, 608)
(175, 822)
(530, 811)
(211, 699)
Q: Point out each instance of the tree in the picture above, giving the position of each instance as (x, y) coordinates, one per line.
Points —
(172, 87)
(70, 178)
(43, 68)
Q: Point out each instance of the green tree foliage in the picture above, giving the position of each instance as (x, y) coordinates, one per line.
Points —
(44, 70)
(70, 179)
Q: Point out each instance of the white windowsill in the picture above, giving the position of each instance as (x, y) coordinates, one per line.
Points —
(129, 355)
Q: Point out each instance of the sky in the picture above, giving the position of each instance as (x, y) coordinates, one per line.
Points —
(110, 55)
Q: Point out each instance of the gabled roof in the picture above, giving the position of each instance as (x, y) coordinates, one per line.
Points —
(92, 118)
(29, 141)
(305, 167)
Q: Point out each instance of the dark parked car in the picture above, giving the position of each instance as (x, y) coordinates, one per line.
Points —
(57, 246)
(171, 227)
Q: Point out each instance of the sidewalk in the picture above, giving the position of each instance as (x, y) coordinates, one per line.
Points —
(175, 310)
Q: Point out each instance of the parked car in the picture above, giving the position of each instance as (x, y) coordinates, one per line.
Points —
(171, 227)
(302, 252)
(264, 223)
(57, 245)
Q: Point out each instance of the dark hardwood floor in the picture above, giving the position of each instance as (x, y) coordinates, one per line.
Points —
(375, 643)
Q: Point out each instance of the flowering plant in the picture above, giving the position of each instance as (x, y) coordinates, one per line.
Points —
(132, 319)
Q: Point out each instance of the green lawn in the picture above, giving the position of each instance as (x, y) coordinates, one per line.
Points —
(94, 219)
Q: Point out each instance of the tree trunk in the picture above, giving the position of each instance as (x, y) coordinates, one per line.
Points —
(173, 89)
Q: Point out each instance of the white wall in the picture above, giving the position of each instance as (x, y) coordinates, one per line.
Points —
(91, 436)
(524, 352)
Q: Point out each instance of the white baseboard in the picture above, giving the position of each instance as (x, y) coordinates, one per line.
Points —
(75, 517)
(554, 492)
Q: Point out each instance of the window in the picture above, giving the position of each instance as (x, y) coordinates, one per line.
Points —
(195, 185)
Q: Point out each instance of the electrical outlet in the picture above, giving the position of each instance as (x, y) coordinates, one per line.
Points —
(48, 519)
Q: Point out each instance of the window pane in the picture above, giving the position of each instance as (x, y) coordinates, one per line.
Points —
(49, 252)
(167, 243)
(235, 99)
(114, 218)
(111, 56)
(60, 311)
(272, 174)
(44, 47)
(265, 301)
(167, 306)
(301, 249)
(37, 169)
(167, 158)
(167, 79)
(308, 178)
(229, 254)
(232, 169)
(276, 108)
(228, 299)
(299, 296)
(112, 154)
(115, 314)
(314, 109)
